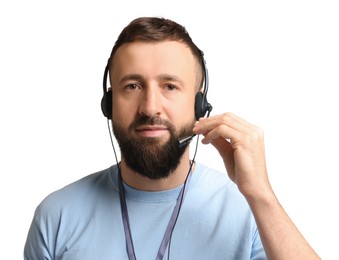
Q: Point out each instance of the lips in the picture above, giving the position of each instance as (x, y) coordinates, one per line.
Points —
(151, 130)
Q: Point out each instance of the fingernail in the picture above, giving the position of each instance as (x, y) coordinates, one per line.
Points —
(205, 141)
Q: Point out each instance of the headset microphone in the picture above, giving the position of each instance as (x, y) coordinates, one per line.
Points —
(185, 140)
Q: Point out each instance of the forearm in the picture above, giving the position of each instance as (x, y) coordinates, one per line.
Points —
(280, 237)
(241, 145)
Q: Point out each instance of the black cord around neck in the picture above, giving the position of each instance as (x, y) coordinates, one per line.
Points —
(166, 242)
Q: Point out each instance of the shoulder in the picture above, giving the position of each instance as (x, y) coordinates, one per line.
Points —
(64, 215)
(83, 191)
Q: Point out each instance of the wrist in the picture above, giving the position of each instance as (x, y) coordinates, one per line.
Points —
(263, 195)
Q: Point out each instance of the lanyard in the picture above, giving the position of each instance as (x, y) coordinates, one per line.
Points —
(170, 226)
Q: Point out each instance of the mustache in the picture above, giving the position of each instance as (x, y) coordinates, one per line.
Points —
(144, 120)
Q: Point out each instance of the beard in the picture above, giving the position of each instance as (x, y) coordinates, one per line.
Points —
(147, 156)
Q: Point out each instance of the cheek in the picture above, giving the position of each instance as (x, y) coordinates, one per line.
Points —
(123, 112)
(182, 112)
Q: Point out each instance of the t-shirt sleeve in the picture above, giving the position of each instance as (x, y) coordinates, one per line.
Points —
(258, 252)
(36, 244)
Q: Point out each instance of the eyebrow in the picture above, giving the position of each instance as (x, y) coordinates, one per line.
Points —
(164, 76)
(169, 77)
(131, 77)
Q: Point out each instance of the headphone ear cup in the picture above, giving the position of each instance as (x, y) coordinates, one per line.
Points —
(106, 104)
(199, 106)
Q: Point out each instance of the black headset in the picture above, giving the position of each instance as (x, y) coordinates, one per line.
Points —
(201, 106)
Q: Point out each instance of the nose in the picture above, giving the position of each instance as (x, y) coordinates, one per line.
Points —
(150, 104)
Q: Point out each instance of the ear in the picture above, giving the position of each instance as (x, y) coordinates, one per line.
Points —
(106, 104)
(199, 107)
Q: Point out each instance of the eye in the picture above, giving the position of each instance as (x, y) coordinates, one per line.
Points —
(171, 87)
(132, 86)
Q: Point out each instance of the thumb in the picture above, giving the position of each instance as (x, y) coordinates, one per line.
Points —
(226, 151)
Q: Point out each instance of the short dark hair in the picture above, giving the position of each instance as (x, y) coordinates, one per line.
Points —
(157, 29)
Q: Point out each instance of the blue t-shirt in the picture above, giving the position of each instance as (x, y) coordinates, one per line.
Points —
(83, 221)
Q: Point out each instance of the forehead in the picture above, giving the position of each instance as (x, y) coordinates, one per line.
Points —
(159, 57)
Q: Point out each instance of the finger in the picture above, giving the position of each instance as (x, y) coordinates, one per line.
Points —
(227, 154)
(221, 131)
(223, 146)
(207, 124)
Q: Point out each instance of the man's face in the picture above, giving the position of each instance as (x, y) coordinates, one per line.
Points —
(153, 87)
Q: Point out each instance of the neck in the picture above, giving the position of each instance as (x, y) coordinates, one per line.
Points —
(175, 179)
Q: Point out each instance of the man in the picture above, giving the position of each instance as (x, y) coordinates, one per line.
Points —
(156, 203)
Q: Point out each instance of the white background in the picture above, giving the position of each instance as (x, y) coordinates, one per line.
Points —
(274, 63)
